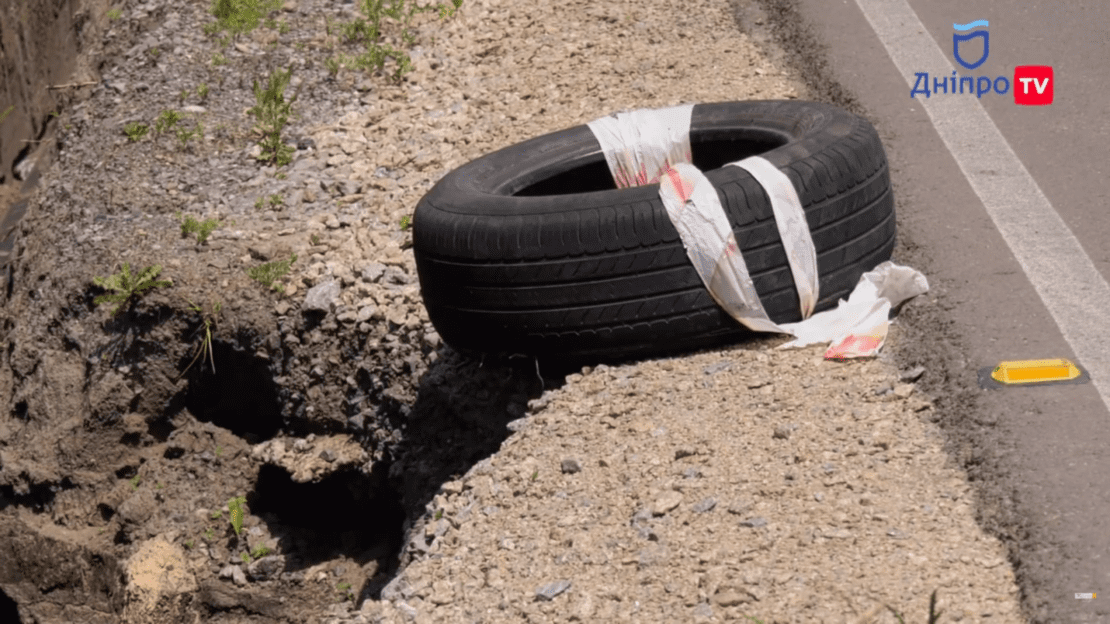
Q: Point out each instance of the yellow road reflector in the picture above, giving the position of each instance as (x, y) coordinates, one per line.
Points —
(1032, 372)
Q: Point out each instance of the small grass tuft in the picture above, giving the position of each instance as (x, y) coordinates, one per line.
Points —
(260, 552)
(135, 131)
(236, 17)
(272, 114)
(125, 286)
(208, 317)
(113, 14)
(267, 274)
(202, 229)
(235, 507)
(167, 120)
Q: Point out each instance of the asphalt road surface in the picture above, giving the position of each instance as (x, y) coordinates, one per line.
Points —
(1004, 208)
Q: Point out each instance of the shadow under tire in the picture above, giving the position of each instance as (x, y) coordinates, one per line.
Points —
(533, 250)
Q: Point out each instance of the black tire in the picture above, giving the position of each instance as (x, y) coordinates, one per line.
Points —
(532, 249)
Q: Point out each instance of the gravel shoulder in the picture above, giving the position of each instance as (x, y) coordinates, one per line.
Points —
(744, 481)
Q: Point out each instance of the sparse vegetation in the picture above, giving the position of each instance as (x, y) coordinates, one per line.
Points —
(202, 229)
(6, 112)
(235, 508)
(272, 113)
(126, 287)
(135, 131)
(236, 17)
(267, 274)
(260, 552)
(406, 222)
(208, 318)
(167, 120)
(135, 480)
(113, 14)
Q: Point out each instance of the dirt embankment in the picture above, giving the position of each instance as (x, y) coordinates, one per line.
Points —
(380, 481)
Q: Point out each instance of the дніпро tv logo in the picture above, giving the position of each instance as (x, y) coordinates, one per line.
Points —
(1033, 84)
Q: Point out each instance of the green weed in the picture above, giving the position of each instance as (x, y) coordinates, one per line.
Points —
(367, 31)
(235, 507)
(184, 135)
(210, 535)
(135, 131)
(202, 92)
(113, 14)
(236, 17)
(272, 113)
(934, 615)
(267, 274)
(260, 552)
(7, 112)
(189, 544)
(245, 557)
(135, 480)
(219, 59)
(167, 120)
(125, 286)
(201, 228)
(314, 239)
(154, 52)
(208, 317)
(406, 222)
(216, 515)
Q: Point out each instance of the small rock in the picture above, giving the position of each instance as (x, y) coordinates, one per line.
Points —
(551, 590)
(913, 374)
(884, 389)
(327, 455)
(684, 452)
(896, 534)
(731, 598)
(373, 271)
(235, 573)
(782, 432)
(366, 313)
(903, 391)
(704, 505)
(713, 369)
(321, 298)
(739, 507)
(266, 567)
(754, 523)
(666, 502)
(571, 466)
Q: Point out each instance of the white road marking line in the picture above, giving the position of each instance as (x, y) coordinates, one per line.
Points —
(1066, 280)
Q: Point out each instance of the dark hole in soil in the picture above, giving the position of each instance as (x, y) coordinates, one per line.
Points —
(708, 154)
(39, 498)
(106, 511)
(174, 452)
(239, 396)
(20, 410)
(127, 472)
(9, 610)
(346, 514)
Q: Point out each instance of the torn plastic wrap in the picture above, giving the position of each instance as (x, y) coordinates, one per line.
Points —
(653, 145)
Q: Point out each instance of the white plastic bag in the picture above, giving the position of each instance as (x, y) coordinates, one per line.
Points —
(645, 146)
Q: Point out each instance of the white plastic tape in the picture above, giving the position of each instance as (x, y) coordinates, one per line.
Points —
(793, 229)
(653, 145)
(640, 145)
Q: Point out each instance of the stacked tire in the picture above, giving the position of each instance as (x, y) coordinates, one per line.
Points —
(533, 250)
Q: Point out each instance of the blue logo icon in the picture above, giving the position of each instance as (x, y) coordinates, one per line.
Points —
(957, 38)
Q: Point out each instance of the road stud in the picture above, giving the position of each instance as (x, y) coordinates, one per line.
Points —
(1033, 373)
